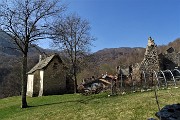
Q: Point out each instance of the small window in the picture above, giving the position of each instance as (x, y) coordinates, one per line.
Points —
(55, 66)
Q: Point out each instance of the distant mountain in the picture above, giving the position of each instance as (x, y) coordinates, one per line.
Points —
(175, 44)
(6, 45)
(118, 56)
(118, 52)
(127, 55)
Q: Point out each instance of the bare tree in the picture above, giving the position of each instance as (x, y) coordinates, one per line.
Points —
(72, 34)
(26, 22)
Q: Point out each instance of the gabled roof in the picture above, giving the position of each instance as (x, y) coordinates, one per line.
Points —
(43, 63)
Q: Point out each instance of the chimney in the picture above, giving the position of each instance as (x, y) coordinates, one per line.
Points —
(40, 58)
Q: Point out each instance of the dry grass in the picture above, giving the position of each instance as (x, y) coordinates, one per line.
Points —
(135, 106)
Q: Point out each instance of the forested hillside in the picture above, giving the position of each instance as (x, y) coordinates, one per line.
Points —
(107, 60)
(6, 45)
(10, 65)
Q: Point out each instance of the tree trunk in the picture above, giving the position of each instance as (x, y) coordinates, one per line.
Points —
(75, 79)
(24, 81)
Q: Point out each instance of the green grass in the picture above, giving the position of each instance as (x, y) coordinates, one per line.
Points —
(135, 106)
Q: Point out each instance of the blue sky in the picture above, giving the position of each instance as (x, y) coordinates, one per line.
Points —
(129, 23)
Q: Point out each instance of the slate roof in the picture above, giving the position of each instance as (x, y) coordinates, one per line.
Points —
(125, 71)
(96, 81)
(170, 50)
(43, 63)
(105, 81)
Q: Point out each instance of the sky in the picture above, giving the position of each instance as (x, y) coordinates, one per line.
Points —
(128, 23)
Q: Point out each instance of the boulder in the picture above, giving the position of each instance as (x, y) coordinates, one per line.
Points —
(169, 112)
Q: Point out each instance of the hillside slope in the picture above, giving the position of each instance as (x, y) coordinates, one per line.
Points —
(6, 45)
(134, 55)
(135, 106)
(10, 65)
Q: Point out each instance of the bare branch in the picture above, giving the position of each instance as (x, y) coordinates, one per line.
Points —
(23, 21)
(72, 35)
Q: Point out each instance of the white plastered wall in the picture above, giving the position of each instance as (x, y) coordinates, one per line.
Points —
(30, 85)
(41, 82)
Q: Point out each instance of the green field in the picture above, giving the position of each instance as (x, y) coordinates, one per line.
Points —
(134, 106)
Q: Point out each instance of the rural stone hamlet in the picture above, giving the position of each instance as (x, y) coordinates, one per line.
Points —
(48, 76)
(89, 60)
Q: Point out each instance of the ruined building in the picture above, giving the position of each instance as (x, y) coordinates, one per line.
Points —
(145, 72)
(154, 62)
(150, 62)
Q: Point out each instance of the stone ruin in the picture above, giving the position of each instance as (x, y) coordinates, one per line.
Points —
(150, 62)
(146, 72)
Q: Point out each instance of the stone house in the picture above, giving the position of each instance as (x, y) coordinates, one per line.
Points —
(47, 77)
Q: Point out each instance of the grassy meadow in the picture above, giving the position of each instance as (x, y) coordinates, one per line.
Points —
(134, 106)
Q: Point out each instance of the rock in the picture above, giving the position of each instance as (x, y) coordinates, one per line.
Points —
(169, 112)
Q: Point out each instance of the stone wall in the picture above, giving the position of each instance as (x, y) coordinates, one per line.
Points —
(145, 70)
(54, 78)
(150, 62)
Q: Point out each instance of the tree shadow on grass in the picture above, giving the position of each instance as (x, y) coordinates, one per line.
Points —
(83, 100)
